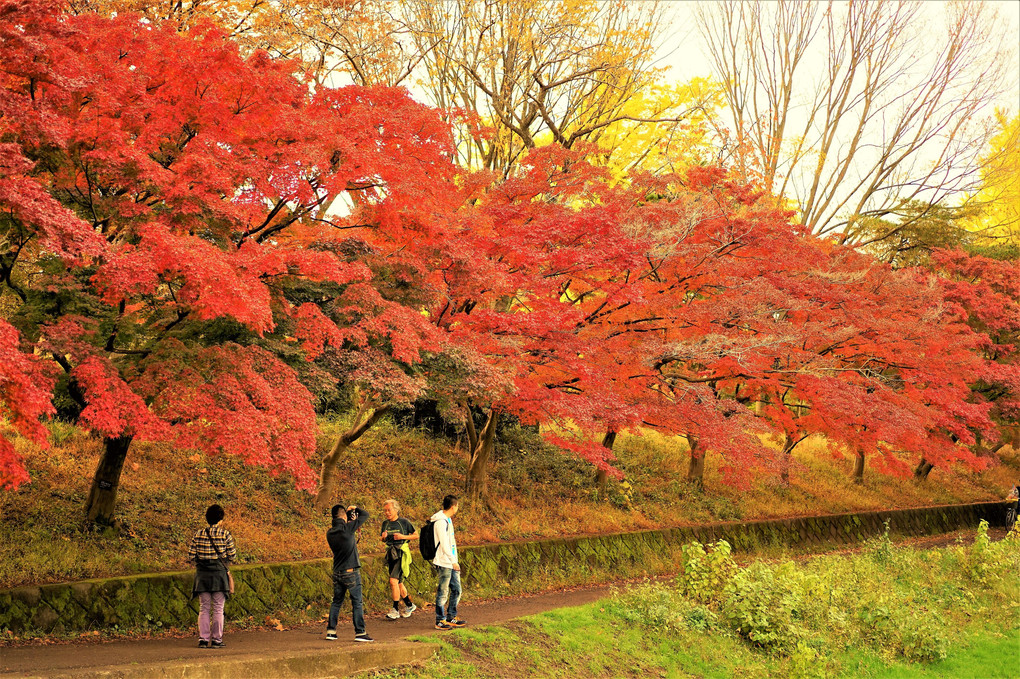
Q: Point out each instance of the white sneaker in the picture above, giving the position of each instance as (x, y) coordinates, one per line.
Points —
(393, 614)
(409, 610)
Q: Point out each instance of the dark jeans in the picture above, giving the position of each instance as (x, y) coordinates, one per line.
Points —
(447, 594)
(342, 584)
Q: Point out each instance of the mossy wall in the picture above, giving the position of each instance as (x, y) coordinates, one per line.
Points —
(163, 600)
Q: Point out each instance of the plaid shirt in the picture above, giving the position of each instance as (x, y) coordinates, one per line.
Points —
(202, 547)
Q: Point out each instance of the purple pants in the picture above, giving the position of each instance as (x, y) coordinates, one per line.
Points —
(214, 601)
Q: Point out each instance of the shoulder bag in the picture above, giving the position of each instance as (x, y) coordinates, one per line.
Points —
(222, 560)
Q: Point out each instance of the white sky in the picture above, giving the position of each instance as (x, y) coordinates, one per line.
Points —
(683, 52)
(683, 49)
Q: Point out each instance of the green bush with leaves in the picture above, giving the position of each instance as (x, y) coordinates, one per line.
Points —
(897, 602)
(881, 547)
(768, 605)
(651, 606)
(917, 635)
(705, 572)
(981, 562)
(922, 639)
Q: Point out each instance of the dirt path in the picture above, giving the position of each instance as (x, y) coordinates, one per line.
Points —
(41, 659)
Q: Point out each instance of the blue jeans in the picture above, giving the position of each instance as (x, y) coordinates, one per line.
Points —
(342, 584)
(448, 590)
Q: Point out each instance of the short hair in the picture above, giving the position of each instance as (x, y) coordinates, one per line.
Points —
(214, 514)
(449, 501)
(391, 501)
(335, 512)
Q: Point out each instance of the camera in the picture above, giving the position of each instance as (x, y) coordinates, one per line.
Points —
(352, 514)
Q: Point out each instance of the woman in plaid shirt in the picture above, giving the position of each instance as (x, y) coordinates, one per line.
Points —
(211, 550)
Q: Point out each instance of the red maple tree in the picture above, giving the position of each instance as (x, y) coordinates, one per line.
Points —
(204, 246)
(986, 292)
(179, 209)
(25, 389)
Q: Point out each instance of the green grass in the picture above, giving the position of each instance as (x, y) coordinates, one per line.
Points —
(817, 618)
(586, 641)
(590, 641)
(534, 492)
(987, 654)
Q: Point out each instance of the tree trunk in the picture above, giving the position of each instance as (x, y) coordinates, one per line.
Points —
(327, 474)
(102, 500)
(1010, 436)
(601, 475)
(788, 444)
(922, 470)
(476, 483)
(996, 448)
(979, 445)
(859, 468)
(696, 469)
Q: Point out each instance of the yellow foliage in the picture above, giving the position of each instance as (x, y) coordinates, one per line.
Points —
(999, 197)
(683, 134)
(533, 71)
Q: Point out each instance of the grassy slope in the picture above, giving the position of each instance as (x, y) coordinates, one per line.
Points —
(622, 637)
(534, 492)
(592, 641)
(991, 654)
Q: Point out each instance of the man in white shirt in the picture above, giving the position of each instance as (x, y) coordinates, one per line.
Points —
(448, 590)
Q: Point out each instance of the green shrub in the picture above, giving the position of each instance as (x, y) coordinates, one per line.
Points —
(919, 635)
(808, 662)
(896, 601)
(663, 608)
(653, 606)
(698, 618)
(881, 548)
(980, 557)
(765, 606)
(705, 573)
(922, 637)
(875, 618)
(61, 432)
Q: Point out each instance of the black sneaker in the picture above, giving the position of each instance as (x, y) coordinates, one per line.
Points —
(456, 622)
(202, 643)
(331, 635)
(363, 637)
(217, 644)
(442, 624)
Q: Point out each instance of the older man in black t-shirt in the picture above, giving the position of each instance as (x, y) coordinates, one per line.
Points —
(396, 532)
(343, 541)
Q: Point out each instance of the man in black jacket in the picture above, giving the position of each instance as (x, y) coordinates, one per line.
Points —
(346, 568)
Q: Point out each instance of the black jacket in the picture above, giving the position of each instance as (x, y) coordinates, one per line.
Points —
(344, 543)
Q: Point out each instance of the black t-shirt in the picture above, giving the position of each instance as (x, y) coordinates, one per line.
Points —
(344, 542)
(401, 525)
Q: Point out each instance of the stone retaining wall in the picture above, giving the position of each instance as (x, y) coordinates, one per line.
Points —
(163, 600)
